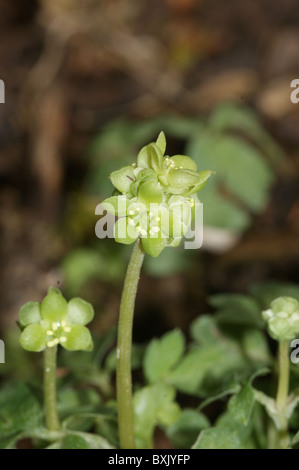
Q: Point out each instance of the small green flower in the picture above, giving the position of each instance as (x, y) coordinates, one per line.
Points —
(282, 318)
(56, 321)
(156, 199)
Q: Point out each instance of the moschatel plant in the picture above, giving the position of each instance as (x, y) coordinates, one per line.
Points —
(282, 319)
(49, 323)
(155, 201)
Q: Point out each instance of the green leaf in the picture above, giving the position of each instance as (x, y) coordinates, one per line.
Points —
(204, 330)
(33, 338)
(240, 169)
(79, 338)
(123, 178)
(234, 117)
(206, 368)
(82, 440)
(237, 309)
(212, 365)
(30, 313)
(185, 430)
(255, 347)
(79, 311)
(216, 438)
(241, 405)
(20, 411)
(153, 405)
(163, 354)
(223, 213)
(270, 406)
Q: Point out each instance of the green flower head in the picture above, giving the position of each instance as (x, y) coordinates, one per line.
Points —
(56, 321)
(282, 318)
(155, 200)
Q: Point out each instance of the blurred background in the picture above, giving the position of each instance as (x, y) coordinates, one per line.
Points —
(87, 85)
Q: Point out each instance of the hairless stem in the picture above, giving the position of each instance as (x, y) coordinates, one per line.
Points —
(52, 421)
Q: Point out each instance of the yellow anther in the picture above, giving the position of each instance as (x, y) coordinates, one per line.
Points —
(131, 212)
(52, 343)
(67, 329)
(54, 326)
(49, 332)
(138, 229)
(63, 323)
(158, 219)
(62, 339)
(134, 164)
(131, 222)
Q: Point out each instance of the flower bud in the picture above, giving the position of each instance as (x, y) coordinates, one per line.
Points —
(282, 318)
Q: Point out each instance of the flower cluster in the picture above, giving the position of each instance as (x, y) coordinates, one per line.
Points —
(282, 318)
(56, 321)
(155, 200)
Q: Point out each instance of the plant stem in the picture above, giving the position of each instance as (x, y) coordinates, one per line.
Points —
(52, 421)
(124, 347)
(282, 392)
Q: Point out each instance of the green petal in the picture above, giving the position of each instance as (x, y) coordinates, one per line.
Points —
(161, 142)
(150, 192)
(33, 338)
(183, 178)
(143, 157)
(156, 158)
(124, 233)
(279, 329)
(123, 178)
(153, 246)
(79, 338)
(30, 313)
(54, 290)
(116, 205)
(79, 311)
(150, 156)
(53, 307)
(203, 179)
(284, 304)
(183, 161)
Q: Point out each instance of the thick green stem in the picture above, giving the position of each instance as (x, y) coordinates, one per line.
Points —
(52, 421)
(282, 392)
(124, 347)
